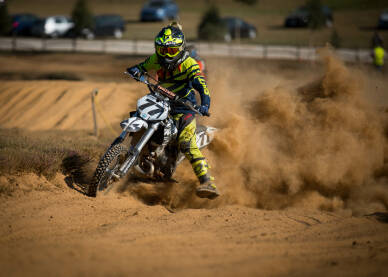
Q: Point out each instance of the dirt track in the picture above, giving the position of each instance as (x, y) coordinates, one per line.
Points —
(49, 229)
(55, 231)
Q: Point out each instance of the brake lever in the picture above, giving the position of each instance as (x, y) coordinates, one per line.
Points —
(189, 105)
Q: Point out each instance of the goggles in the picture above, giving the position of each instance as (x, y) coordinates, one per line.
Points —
(167, 51)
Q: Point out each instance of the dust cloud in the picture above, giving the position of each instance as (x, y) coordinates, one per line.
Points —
(318, 145)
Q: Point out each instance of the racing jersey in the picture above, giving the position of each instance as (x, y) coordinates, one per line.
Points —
(182, 81)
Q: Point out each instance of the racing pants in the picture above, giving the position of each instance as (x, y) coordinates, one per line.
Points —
(187, 143)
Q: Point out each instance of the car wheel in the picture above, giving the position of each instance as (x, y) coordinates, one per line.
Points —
(227, 37)
(252, 34)
(87, 33)
(90, 36)
(329, 23)
(54, 35)
(118, 33)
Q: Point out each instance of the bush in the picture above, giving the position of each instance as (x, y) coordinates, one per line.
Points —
(5, 20)
(211, 26)
(82, 17)
(247, 2)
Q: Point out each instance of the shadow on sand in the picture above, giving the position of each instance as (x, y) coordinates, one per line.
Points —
(379, 216)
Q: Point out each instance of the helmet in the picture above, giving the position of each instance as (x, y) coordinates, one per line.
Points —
(170, 46)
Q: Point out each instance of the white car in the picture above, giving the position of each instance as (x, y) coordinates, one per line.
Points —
(53, 26)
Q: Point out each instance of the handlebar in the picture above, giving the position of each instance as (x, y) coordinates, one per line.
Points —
(165, 92)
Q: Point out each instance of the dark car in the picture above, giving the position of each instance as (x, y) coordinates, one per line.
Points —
(238, 28)
(159, 10)
(383, 20)
(109, 25)
(23, 23)
(301, 17)
(104, 25)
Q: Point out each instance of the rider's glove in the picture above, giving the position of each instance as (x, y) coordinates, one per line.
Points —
(134, 71)
(204, 110)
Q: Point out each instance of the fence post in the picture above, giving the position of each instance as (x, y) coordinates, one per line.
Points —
(94, 94)
(104, 46)
(74, 44)
(44, 44)
(298, 55)
(13, 43)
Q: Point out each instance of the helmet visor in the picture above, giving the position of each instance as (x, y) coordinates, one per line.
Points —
(167, 51)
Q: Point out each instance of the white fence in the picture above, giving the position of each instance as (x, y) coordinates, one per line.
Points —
(139, 47)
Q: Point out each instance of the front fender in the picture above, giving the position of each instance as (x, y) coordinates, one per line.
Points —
(133, 124)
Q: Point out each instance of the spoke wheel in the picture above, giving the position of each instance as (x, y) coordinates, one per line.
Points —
(106, 169)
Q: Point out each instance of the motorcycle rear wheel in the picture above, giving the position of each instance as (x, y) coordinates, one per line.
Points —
(108, 165)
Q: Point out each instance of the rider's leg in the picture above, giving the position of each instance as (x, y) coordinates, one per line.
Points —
(186, 125)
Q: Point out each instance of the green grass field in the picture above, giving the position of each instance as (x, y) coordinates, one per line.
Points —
(354, 20)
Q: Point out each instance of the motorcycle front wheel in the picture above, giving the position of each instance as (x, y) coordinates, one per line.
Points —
(106, 168)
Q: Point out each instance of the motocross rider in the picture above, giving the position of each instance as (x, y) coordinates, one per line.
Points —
(181, 74)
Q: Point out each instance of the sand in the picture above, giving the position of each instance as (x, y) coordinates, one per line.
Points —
(289, 207)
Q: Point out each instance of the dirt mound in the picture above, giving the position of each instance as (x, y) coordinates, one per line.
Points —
(42, 105)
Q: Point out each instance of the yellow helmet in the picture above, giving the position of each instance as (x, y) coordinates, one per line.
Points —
(170, 45)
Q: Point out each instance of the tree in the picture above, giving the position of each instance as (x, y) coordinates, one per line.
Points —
(211, 26)
(317, 17)
(82, 17)
(5, 19)
(335, 39)
(247, 2)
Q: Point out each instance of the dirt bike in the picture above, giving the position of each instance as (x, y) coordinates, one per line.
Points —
(147, 146)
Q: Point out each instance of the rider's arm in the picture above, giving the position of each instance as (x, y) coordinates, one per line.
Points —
(198, 82)
(150, 63)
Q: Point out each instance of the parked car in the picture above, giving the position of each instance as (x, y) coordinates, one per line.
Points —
(383, 20)
(301, 17)
(52, 26)
(22, 24)
(238, 28)
(109, 25)
(104, 25)
(159, 10)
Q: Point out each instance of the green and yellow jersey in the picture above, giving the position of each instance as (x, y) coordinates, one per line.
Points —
(182, 81)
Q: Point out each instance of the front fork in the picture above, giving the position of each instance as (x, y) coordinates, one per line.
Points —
(134, 152)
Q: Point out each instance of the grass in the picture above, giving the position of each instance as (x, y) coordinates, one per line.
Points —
(44, 152)
(354, 20)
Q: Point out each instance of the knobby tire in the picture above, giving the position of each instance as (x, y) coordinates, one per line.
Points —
(106, 161)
